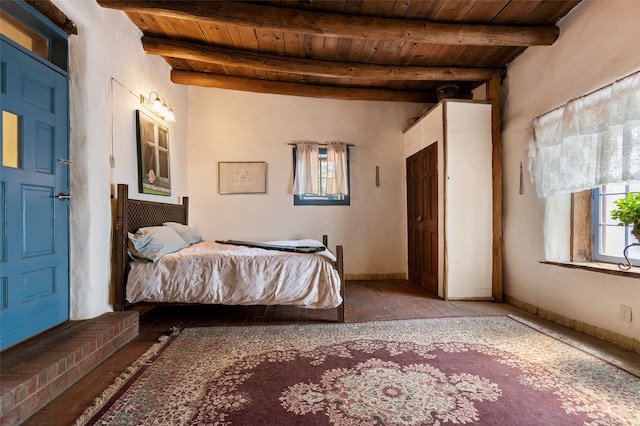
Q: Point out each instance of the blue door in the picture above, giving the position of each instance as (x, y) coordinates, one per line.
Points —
(34, 258)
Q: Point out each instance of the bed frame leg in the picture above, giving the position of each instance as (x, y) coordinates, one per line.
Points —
(341, 312)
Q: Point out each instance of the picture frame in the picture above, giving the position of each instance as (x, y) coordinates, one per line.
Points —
(248, 177)
(154, 165)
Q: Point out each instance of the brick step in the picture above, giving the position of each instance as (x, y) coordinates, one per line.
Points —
(35, 372)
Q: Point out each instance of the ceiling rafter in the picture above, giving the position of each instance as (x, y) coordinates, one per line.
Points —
(293, 65)
(343, 25)
(298, 89)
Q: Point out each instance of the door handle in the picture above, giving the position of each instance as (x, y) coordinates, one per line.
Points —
(62, 196)
(419, 219)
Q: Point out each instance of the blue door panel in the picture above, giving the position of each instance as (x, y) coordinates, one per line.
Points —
(37, 91)
(45, 148)
(38, 209)
(38, 284)
(34, 275)
(33, 295)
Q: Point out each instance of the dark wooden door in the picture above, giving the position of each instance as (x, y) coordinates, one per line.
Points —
(422, 217)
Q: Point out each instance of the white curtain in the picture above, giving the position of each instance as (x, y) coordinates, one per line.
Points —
(307, 168)
(337, 174)
(590, 141)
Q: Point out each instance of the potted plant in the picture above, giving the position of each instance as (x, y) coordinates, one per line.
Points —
(628, 213)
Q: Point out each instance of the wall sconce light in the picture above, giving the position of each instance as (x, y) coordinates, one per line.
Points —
(158, 106)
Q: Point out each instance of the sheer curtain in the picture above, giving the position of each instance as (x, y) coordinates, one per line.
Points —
(307, 167)
(588, 142)
(337, 173)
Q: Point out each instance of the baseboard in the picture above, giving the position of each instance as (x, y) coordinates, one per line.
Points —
(625, 342)
(375, 277)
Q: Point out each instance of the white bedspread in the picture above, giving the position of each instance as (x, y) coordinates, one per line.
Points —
(214, 273)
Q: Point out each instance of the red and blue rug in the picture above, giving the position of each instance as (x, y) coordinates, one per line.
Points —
(441, 371)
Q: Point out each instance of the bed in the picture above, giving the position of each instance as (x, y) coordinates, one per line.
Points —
(152, 283)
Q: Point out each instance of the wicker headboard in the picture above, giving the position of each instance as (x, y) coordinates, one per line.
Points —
(131, 215)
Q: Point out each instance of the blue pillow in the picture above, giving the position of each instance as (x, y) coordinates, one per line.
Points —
(187, 233)
(153, 242)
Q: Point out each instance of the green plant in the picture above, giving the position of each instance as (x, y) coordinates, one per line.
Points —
(628, 212)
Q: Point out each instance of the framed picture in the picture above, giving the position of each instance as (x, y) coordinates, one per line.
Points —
(154, 176)
(242, 178)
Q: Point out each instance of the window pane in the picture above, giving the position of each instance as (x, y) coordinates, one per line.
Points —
(323, 175)
(634, 187)
(612, 240)
(163, 138)
(634, 253)
(10, 140)
(608, 206)
(164, 164)
(614, 188)
(23, 35)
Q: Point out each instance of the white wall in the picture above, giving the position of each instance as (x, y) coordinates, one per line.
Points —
(102, 122)
(597, 45)
(228, 125)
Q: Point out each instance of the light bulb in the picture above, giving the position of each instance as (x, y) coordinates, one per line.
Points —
(170, 116)
(156, 105)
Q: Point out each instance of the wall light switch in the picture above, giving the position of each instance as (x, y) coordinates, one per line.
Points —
(112, 160)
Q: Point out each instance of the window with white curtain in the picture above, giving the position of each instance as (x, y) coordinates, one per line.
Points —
(321, 174)
(592, 143)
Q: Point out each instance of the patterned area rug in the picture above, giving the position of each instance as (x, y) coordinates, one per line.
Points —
(482, 370)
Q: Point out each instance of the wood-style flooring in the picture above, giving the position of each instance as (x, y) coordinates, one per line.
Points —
(365, 301)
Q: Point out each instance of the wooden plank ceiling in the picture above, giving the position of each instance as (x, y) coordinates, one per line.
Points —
(402, 50)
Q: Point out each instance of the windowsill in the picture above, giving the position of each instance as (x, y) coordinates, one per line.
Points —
(605, 268)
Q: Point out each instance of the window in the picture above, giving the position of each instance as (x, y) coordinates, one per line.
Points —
(44, 40)
(609, 238)
(11, 143)
(24, 35)
(586, 148)
(325, 174)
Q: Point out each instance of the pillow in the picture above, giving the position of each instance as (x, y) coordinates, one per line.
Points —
(187, 233)
(133, 253)
(154, 242)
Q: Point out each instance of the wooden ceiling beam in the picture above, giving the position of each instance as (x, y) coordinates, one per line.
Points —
(342, 25)
(298, 89)
(356, 71)
(55, 15)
